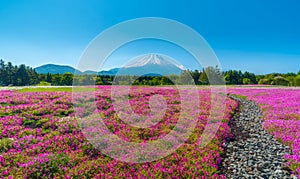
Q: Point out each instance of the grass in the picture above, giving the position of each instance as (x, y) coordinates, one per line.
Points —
(239, 96)
(56, 89)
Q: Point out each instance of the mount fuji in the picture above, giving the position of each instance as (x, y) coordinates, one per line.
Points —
(145, 65)
(151, 64)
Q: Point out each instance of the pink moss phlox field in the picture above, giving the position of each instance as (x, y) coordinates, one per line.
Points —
(40, 136)
(281, 110)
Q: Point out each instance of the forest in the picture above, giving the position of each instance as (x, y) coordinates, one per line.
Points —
(22, 75)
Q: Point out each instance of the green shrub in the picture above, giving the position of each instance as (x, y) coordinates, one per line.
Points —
(264, 81)
(239, 96)
(41, 122)
(246, 81)
(47, 165)
(30, 123)
(44, 83)
(279, 80)
(5, 144)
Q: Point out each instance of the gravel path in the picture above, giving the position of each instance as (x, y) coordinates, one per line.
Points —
(253, 152)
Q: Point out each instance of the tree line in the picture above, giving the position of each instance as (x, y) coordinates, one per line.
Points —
(23, 75)
(17, 75)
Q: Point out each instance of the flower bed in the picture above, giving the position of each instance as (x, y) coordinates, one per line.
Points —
(281, 109)
(40, 137)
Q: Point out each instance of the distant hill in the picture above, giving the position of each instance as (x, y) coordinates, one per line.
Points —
(55, 69)
(146, 65)
(89, 72)
(113, 71)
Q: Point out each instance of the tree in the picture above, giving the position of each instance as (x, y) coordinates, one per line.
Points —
(22, 76)
(32, 75)
(234, 77)
(3, 75)
(195, 75)
(173, 78)
(155, 81)
(214, 75)
(297, 80)
(10, 71)
(166, 81)
(279, 80)
(250, 76)
(186, 78)
(56, 80)
(203, 80)
(25, 75)
(67, 79)
(291, 80)
(246, 81)
(88, 80)
(49, 77)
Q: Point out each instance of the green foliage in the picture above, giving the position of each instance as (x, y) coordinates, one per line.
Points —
(288, 79)
(297, 80)
(49, 167)
(23, 75)
(246, 81)
(237, 77)
(29, 122)
(264, 81)
(17, 75)
(239, 96)
(214, 75)
(279, 80)
(67, 79)
(26, 132)
(56, 89)
(44, 83)
(46, 131)
(5, 144)
(40, 122)
(203, 79)
(186, 78)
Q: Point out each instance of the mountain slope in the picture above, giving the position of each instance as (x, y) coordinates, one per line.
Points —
(151, 64)
(153, 59)
(55, 69)
(146, 65)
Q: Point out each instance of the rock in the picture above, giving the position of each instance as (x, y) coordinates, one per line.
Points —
(254, 153)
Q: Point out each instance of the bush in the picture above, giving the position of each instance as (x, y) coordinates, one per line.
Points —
(246, 81)
(44, 83)
(46, 165)
(5, 144)
(279, 80)
(264, 81)
(297, 80)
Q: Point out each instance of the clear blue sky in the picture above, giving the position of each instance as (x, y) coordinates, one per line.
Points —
(253, 35)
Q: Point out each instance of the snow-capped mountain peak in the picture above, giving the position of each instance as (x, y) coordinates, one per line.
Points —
(153, 59)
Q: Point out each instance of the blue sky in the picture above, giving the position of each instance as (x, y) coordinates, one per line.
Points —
(257, 36)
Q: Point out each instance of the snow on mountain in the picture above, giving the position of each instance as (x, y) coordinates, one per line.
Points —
(149, 64)
(153, 59)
